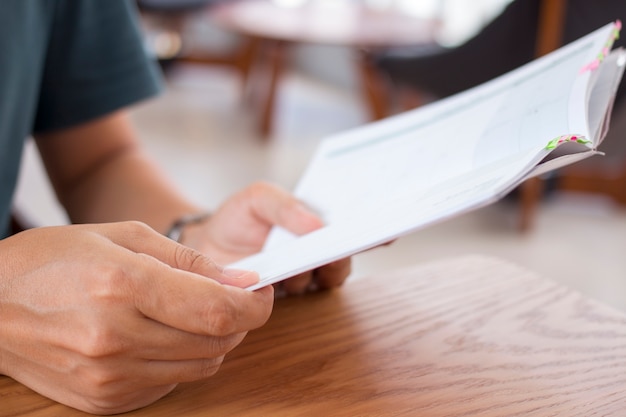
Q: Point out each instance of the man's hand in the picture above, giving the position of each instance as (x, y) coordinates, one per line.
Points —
(241, 225)
(101, 175)
(108, 318)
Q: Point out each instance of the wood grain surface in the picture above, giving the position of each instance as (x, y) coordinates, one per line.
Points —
(469, 336)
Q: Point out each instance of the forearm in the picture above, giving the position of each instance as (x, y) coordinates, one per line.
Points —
(127, 187)
(100, 174)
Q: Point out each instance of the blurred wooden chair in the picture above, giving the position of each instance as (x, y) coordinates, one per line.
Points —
(169, 46)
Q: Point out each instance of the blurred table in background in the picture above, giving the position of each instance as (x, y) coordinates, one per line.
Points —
(471, 336)
(274, 26)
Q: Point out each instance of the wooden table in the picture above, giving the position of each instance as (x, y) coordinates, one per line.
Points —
(272, 29)
(470, 336)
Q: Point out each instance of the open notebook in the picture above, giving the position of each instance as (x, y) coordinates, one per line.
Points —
(386, 179)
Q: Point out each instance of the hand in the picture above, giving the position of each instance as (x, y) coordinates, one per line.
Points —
(108, 318)
(240, 227)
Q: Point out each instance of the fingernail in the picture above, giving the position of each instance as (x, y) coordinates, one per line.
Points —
(235, 273)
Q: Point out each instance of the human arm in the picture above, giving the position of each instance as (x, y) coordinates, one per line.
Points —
(81, 305)
(115, 181)
(110, 317)
(101, 174)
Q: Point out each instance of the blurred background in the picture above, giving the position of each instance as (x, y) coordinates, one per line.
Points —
(253, 85)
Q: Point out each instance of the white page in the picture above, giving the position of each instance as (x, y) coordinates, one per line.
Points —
(389, 178)
(378, 224)
(605, 82)
(608, 77)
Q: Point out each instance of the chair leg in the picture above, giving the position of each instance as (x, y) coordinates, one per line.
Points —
(276, 60)
(374, 87)
(530, 194)
(246, 56)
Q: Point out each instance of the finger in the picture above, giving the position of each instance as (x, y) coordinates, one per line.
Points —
(140, 238)
(276, 206)
(107, 392)
(154, 341)
(298, 285)
(170, 285)
(194, 304)
(173, 372)
(333, 274)
(123, 335)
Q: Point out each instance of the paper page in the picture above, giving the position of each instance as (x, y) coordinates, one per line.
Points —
(521, 111)
(604, 85)
(381, 181)
(375, 225)
(608, 77)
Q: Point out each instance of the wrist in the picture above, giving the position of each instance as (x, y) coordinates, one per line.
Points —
(180, 225)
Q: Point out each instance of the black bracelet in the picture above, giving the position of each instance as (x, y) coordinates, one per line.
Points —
(176, 230)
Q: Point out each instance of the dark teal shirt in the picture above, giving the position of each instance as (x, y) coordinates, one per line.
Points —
(62, 63)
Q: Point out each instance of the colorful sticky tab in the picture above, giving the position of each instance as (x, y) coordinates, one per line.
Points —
(566, 138)
(605, 50)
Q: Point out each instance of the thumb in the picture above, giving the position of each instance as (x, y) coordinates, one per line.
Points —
(278, 207)
(140, 238)
(188, 259)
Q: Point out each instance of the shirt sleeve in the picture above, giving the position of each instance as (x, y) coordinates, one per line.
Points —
(96, 63)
